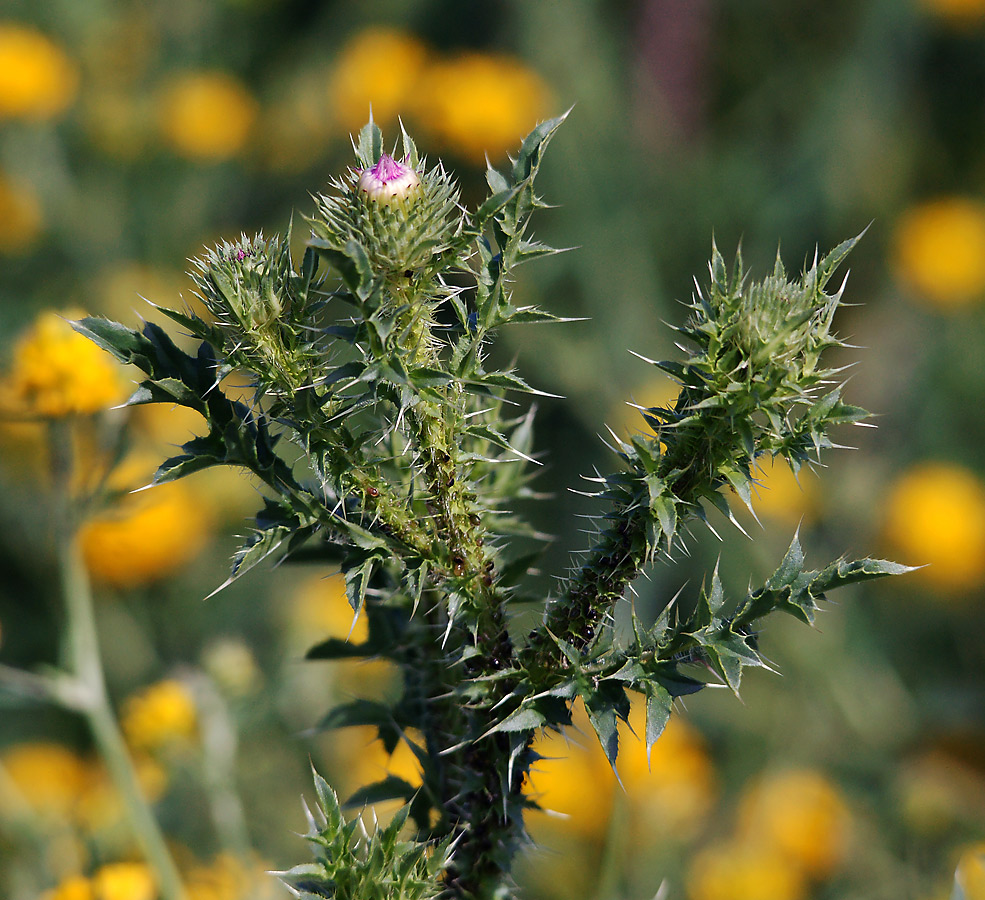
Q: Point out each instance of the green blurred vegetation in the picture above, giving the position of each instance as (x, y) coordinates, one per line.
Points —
(131, 134)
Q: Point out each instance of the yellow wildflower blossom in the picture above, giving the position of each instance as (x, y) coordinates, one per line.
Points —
(20, 217)
(476, 104)
(58, 372)
(940, 251)
(801, 815)
(49, 778)
(935, 515)
(227, 492)
(206, 115)
(783, 496)
(573, 780)
(672, 795)
(362, 760)
(734, 870)
(970, 873)
(54, 783)
(379, 67)
(74, 888)
(669, 796)
(321, 608)
(149, 536)
(124, 881)
(659, 391)
(37, 79)
(159, 715)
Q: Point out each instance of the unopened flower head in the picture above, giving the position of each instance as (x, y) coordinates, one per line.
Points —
(404, 216)
(388, 182)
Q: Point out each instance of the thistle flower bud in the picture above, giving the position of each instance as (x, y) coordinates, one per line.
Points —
(404, 216)
(388, 182)
(245, 282)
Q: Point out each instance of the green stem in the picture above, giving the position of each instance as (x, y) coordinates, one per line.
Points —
(219, 747)
(85, 663)
(33, 686)
(611, 863)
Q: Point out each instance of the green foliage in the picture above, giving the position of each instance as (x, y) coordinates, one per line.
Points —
(352, 863)
(370, 362)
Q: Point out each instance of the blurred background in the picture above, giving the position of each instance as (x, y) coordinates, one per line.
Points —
(133, 133)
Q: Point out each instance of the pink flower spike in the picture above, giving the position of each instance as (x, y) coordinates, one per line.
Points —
(388, 182)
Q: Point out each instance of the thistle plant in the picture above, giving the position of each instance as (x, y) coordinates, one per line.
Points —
(386, 443)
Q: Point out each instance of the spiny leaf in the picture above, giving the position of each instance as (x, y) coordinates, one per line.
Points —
(659, 704)
(390, 788)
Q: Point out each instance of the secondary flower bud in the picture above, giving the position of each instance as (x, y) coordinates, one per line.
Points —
(388, 182)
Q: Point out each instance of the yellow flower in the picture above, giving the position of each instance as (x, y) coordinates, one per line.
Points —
(159, 715)
(56, 784)
(206, 115)
(48, 777)
(940, 250)
(167, 426)
(739, 871)
(74, 888)
(477, 104)
(227, 492)
(124, 881)
(37, 80)
(321, 608)
(148, 536)
(970, 873)
(673, 794)
(783, 496)
(801, 816)
(935, 515)
(58, 372)
(20, 217)
(573, 780)
(669, 797)
(659, 391)
(363, 760)
(957, 12)
(379, 67)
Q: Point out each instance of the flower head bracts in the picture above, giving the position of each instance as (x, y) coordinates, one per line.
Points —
(261, 310)
(405, 219)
